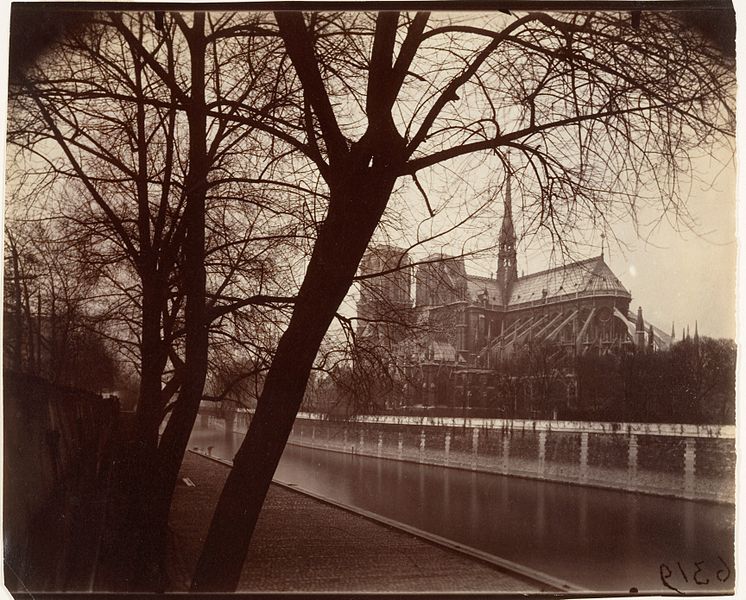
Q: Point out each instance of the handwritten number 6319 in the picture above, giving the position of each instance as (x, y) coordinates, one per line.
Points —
(698, 574)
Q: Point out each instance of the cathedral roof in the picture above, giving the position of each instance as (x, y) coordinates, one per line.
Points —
(477, 285)
(586, 276)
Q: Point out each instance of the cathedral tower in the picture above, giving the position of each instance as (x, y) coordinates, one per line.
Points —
(507, 268)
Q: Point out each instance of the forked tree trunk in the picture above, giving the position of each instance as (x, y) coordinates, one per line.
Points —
(142, 473)
(163, 472)
(355, 210)
(141, 467)
(152, 363)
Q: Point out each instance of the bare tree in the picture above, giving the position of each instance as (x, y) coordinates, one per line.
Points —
(595, 106)
(356, 114)
(55, 335)
(124, 114)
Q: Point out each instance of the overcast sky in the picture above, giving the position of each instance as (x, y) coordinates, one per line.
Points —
(678, 277)
(683, 277)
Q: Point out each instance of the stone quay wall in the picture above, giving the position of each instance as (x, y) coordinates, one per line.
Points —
(686, 461)
(58, 442)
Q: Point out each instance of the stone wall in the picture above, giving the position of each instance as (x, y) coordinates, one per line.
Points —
(56, 442)
(696, 462)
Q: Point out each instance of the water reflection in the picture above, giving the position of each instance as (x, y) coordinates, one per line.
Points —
(604, 540)
(583, 516)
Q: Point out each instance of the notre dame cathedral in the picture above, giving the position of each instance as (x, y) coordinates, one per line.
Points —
(462, 329)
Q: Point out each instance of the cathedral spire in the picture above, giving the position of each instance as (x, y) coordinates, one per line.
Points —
(507, 268)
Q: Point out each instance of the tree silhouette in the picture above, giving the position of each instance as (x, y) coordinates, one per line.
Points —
(595, 107)
(341, 114)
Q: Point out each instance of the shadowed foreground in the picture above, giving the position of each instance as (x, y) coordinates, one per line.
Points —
(304, 544)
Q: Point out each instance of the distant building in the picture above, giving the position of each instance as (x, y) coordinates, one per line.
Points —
(385, 302)
(474, 324)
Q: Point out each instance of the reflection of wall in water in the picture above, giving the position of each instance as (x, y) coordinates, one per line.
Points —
(651, 459)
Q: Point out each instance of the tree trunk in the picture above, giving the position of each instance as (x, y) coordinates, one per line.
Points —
(355, 210)
(136, 552)
(141, 470)
(170, 452)
(151, 371)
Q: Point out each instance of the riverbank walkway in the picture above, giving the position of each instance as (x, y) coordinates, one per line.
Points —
(302, 544)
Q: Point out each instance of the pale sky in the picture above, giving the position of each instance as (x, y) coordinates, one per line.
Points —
(675, 277)
(678, 277)
(684, 276)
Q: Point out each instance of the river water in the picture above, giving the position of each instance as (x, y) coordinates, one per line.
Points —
(602, 540)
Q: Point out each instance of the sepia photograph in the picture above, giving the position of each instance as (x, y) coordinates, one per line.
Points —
(370, 298)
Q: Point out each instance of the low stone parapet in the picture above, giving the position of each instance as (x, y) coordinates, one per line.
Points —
(685, 461)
